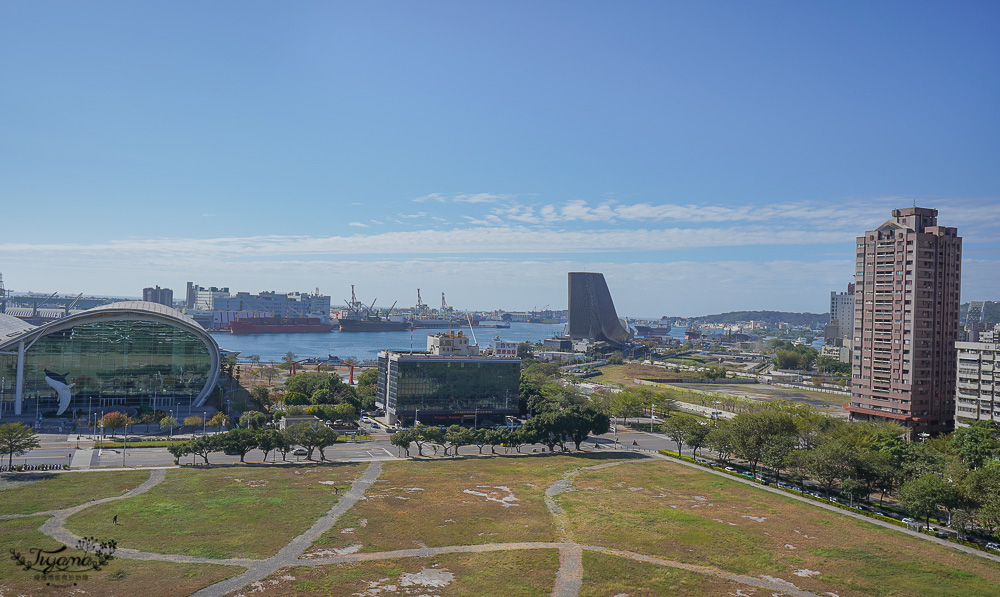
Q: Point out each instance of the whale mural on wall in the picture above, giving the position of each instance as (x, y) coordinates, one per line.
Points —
(58, 383)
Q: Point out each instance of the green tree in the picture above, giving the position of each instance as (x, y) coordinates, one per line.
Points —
(433, 435)
(296, 398)
(720, 439)
(269, 439)
(194, 422)
(713, 373)
(287, 360)
(457, 436)
(322, 396)
(525, 351)
(262, 396)
(270, 373)
(367, 388)
(179, 450)
(115, 420)
(677, 429)
(697, 437)
(827, 462)
(168, 423)
(751, 432)
(312, 437)
(479, 438)
(220, 420)
(921, 496)
(17, 439)
(403, 439)
(625, 404)
(253, 419)
(205, 445)
(239, 441)
(977, 443)
(573, 423)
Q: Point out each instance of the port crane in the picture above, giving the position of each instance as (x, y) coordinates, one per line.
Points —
(34, 310)
(71, 305)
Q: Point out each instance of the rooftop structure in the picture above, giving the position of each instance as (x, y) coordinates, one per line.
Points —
(451, 344)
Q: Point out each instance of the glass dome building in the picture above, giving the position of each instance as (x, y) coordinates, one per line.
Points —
(124, 354)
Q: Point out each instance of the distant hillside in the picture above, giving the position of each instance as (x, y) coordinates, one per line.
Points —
(991, 313)
(769, 318)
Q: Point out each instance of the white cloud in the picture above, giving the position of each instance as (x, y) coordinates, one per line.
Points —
(480, 198)
(464, 198)
(858, 215)
(457, 241)
(431, 197)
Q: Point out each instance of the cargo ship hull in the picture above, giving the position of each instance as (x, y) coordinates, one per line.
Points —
(280, 325)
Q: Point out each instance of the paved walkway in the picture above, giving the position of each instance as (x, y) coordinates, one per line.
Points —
(289, 555)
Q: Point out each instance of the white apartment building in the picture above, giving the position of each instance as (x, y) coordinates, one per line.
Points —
(977, 395)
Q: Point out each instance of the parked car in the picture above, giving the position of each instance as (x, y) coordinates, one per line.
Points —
(300, 452)
(909, 520)
(730, 469)
(995, 546)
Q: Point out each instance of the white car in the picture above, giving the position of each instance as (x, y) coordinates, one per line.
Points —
(300, 452)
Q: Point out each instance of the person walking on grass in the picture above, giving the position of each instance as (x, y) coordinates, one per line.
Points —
(114, 520)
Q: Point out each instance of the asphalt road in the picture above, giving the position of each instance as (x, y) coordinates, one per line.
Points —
(61, 448)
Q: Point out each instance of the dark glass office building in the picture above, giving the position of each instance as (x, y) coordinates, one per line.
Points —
(124, 354)
(444, 390)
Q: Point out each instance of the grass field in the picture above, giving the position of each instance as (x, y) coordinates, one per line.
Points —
(528, 573)
(454, 502)
(606, 575)
(644, 506)
(124, 578)
(53, 491)
(237, 511)
(765, 392)
(682, 514)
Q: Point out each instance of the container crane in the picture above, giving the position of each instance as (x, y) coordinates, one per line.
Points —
(71, 305)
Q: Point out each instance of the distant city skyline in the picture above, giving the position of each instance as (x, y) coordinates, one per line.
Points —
(705, 158)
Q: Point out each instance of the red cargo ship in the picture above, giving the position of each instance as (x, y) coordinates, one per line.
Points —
(280, 325)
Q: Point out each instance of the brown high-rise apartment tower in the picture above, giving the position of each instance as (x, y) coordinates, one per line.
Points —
(906, 300)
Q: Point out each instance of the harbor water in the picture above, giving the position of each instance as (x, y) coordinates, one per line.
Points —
(366, 345)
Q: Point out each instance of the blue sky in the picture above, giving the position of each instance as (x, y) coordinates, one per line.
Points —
(705, 156)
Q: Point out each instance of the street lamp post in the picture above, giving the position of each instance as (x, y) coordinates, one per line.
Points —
(651, 417)
(170, 429)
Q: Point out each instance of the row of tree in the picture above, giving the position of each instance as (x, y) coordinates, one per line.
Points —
(242, 440)
(554, 427)
(956, 474)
